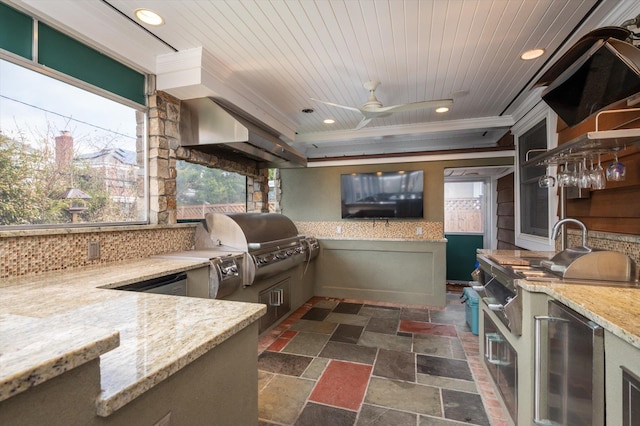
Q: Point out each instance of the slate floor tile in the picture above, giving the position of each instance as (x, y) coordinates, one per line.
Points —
(282, 399)
(404, 396)
(281, 363)
(343, 384)
(383, 325)
(347, 333)
(436, 366)
(314, 326)
(385, 341)
(305, 343)
(316, 368)
(464, 407)
(401, 366)
(447, 383)
(380, 312)
(433, 345)
(316, 414)
(448, 317)
(316, 314)
(395, 365)
(326, 304)
(413, 314)
(349, 352)
(347, 308)
(428, 328)
(347, 319)
(380, 416)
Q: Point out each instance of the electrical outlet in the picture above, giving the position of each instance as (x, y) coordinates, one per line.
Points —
(419, 230)
(93, 250)
(339, 229)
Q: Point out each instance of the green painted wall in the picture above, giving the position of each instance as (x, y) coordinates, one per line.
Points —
(461, 255)
(313, 194)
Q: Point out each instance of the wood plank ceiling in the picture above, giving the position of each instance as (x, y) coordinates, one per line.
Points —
(269, 57)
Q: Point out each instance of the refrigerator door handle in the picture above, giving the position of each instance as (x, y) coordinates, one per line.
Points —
(537, 366)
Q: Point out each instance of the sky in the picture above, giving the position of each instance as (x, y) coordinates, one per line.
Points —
(31, 103)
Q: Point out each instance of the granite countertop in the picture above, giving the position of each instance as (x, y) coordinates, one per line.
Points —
(54, 322)
(615, 308)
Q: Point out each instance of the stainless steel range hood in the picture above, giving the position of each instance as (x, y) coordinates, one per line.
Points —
(207, 126)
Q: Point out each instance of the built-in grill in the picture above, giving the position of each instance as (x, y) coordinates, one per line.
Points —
(271, 241)
(502, 294)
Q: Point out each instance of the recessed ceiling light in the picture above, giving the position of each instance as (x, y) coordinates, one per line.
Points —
(329, 121)
(532, 54)
(442, 109)
(149, 17)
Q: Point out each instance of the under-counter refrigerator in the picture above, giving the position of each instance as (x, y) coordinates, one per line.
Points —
(569, 369)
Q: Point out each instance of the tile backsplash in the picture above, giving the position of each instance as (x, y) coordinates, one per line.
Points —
(623, 243)
(32, 252)
(380, 229)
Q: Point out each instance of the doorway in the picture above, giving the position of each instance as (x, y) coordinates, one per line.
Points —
(468, 217)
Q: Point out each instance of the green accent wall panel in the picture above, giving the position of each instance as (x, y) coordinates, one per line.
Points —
(16, 31)
(461, 255)
(62, 53)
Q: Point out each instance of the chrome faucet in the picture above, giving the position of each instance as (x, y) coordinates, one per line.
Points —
(556, 227)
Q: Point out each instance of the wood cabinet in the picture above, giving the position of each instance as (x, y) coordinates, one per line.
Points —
(617, 207)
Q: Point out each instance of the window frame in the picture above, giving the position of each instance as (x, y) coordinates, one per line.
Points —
(57, 75)
(528, 241)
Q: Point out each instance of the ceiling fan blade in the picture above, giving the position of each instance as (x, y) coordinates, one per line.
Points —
(416, 105)
(336, 105)
(363, 123)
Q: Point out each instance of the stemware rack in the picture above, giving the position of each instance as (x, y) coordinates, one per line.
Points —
(588, 145)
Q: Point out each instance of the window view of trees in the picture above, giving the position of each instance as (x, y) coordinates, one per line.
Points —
(66, 155)
(201, 190)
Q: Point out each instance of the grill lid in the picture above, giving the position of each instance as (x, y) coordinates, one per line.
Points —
(249, 231)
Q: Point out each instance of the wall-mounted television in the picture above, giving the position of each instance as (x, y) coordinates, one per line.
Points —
(382, 195)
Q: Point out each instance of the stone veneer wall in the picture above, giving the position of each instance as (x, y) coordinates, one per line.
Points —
(36, 252)
(380, 229)
(165, 149)
(624, 243)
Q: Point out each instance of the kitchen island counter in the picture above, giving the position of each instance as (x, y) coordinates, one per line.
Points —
(141, 338)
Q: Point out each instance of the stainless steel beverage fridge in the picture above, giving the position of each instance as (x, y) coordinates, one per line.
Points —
(569, 369)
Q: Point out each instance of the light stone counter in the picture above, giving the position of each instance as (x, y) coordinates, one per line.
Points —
(615, 308)
(54, 322)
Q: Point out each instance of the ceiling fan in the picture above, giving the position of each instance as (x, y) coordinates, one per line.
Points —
(373, 107)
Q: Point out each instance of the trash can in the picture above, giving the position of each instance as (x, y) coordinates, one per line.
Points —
(470, 298)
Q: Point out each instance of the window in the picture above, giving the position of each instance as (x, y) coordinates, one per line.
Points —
(464, 207)
(71, 156)
(534, 201)
(535, 207)
(202, 190)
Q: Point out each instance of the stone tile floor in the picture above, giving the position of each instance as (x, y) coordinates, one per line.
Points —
(346, 362)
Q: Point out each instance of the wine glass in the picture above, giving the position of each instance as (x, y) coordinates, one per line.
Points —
(564, 177)
(598, 180)
(616, 170)
(583, 178)
(546, 181)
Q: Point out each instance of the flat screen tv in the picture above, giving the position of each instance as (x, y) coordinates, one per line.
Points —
(382, 195)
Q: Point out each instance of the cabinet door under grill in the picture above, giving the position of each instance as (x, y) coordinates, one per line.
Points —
(278, 301)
